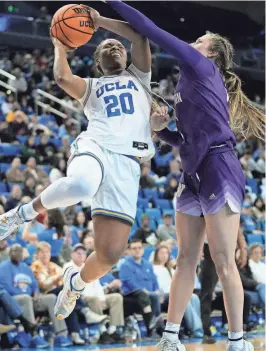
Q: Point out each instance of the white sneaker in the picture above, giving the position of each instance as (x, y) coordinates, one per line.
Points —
(75, 337)
(66, 300)
(166, 345)
(247, 347)
(9, 222)
(92, 317)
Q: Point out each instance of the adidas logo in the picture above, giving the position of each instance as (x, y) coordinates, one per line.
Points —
(212, 197)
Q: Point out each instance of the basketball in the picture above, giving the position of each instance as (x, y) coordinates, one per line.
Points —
(72, 25)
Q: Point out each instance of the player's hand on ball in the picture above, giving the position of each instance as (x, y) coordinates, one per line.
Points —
(57, 43)
(95, 16)
(159, 118)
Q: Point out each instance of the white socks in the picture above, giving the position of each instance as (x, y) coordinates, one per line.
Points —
(77, 283)
(27, 212)
(111, 330)
(236, 339)
(171, 332)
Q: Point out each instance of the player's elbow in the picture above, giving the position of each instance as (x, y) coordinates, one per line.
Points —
(60, 80)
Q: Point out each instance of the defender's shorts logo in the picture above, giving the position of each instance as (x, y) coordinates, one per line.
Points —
(140, 146)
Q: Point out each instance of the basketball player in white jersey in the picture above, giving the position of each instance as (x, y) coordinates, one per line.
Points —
(104, 164)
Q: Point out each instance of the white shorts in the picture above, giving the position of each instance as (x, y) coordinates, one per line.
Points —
(118, 193)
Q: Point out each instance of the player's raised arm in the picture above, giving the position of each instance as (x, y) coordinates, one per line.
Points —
(140, 50)
(73, 85)
(192, 63)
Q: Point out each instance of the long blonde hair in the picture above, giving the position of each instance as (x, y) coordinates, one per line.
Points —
(245, 118)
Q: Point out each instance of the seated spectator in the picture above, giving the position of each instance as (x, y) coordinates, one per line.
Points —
(94, 297)
(36, 128)
(58, 171)
(14, 199)
(19, 124)
(14, 174)
(87, 240)
(261, 165)
(146, 181)
(36, 172)
(135, 266)
(29, 187)
(4, 251)
(18, 280)
(80, 223)
(171, 189)
(7, 105)
(258, 208)
(145, 234)
(46, 150)
(49, 278)
(65, 148)
(166, 231)
(9, 311)
(164, 272)
(175, 171)
(253, 288)
(31, 230)
(28, 149)
(257, 266)
(20, 82)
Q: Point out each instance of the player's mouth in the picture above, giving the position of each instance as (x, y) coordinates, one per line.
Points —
(116, 53)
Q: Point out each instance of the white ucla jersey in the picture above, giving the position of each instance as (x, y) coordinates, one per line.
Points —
(118, 109)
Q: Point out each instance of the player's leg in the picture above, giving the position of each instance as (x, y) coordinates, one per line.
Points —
(83, 179)
(111, 237)
(191, 233)
(222, 230)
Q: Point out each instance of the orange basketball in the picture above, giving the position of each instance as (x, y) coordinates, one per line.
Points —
(72, 25)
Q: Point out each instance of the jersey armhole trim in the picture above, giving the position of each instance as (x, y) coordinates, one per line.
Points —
(88, 92)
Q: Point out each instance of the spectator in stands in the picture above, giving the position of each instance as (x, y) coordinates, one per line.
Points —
(94, 297)
(145, 234)
(257, 266)
(14, 199)
(14, 174)
(166, 231)
(135, 266)
(80, 222)
(261, 164)
(175, 171)
(7, 106)
(249, 164)
(18, 126)
(65, 148)
(163, 270)
(258, 208)
(87, 240)
(58, 171)
(49, 278)
(36, 128)
(146, 181)
(29, 187)
(31, 230)
(46, 150)
(171, 189)
(18, 280)
(4, 251)
(33, 170)
(5, 137)
(20, 82)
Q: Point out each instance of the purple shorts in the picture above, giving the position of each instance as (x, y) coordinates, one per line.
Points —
(219, 181)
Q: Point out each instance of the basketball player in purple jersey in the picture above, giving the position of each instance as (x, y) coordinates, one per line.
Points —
(208, 100)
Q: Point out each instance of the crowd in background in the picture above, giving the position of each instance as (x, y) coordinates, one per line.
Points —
(35, 146)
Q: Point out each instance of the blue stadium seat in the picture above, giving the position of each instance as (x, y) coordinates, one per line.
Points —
(22, 139)
(153, 225)
(153, 213)
(46, 169)
(147, 252)
(10, 150)
(139, 214)
(163, 204)
(142, 203)
(56, 142)
(150, 194)
(255, 239)
(174, 252)
(163, 161)
(253, 183)
(4, 167)
(3, 187)
(32, 249)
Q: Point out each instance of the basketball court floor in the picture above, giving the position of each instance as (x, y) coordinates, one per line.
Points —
(258, 341)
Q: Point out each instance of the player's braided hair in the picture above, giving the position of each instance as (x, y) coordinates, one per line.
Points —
(245, 118)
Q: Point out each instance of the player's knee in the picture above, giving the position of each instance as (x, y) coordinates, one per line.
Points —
(108, 256)
(186, 261)
(225, 265)
(81, 187)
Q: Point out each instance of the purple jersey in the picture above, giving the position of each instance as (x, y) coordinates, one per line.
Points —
(201, 98)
